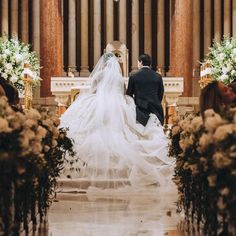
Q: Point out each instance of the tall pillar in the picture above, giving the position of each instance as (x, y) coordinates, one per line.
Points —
(109, 21)
(182, 38)
(217, 20)
(36, 26)
(97, 30)
(227, 17)
(196, 33)
(50, 43)
(135, 34)
(234, 18)
(148, 27)
(4, 17)
(14, 18)
(25, 21)
(160, 37)
(84, 39)
(207, 26)
(72, 35)
(122, 21)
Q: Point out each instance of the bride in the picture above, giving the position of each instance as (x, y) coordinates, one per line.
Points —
(109, 143)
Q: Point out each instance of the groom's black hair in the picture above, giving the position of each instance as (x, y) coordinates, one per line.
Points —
(145, 59)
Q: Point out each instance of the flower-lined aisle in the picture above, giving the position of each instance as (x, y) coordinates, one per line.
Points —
(32, 152)
(205, 171)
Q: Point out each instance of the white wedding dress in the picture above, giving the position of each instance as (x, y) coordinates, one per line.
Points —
(109, 143)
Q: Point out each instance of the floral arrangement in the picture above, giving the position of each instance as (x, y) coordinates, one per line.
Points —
(32, 153)
(222, 58)
(13, 56)
(205, 171)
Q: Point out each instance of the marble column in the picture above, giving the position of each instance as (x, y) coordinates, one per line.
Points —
(72, 35)
(4, 17)
(36, 26)
(227, 17)
(148, 27)
(14, 18)
(50, 43)
(182, 43)
(122, 21)
(207, 26)
(234, 18)
(135, 33)
(84, 39)
(196, 33)
(97, 30)
(160, 37)
(109, 21)
(217, 20)
(25, 21)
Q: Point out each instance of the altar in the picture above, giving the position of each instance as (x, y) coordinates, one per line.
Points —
(66, 89)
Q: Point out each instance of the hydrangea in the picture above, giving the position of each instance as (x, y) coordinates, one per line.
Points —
(13, 56)
(222, 57)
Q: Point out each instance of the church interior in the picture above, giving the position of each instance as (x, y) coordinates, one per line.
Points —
(58, 44)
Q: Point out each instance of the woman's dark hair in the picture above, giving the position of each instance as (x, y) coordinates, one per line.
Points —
(10, 91)
(210, 98)
(145, 59)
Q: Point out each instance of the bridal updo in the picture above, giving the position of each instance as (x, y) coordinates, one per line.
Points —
(107, 56)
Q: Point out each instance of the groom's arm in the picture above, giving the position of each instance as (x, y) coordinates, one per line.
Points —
(130, 90)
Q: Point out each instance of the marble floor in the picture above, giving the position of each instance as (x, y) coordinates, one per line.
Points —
(144, 214)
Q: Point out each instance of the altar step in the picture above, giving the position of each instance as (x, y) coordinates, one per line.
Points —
(82, 185)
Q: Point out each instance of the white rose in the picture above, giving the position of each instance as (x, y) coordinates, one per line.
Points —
(233, 72)
(7, 51)
(223, 77)
(220, 160)
(175, 130)
(4, 126)
(13, 79)
(223, 131)
(19, 58)
(221, 56)
(9, 66)
(4, 75)
(225, 191)
(234, 51)
(212, 180)
(225, 70)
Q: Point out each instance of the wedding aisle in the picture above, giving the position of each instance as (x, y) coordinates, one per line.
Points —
(117, 215)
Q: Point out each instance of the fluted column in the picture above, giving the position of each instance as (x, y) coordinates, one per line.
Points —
(160, 37)
(50, 43)
(217, 20)
(36, 26)
(227, 17)
(109, 21)
(196, 33)
(122, 21)
(97, 30)
(148, 27)
(207, 26)
(25, 21)
(84, 39)
(14, 18)
(4, 17)
(234, 18)
(182, 38)
(72, 34)
(135, 33)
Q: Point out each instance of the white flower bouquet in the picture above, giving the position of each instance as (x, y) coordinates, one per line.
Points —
(13, 56)
(222, 57)
(205, 171)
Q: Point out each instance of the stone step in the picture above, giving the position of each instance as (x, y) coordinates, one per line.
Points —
(81, 185)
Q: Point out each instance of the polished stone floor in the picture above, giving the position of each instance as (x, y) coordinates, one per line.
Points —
(127, 214)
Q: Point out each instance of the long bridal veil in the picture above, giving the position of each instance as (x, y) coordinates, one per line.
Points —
(110, 145)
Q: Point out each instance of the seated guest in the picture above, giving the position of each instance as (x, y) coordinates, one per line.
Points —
(216, 96)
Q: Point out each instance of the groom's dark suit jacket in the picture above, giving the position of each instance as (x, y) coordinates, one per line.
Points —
(146, 87)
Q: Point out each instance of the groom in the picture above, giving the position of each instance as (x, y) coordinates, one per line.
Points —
(146, 87)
